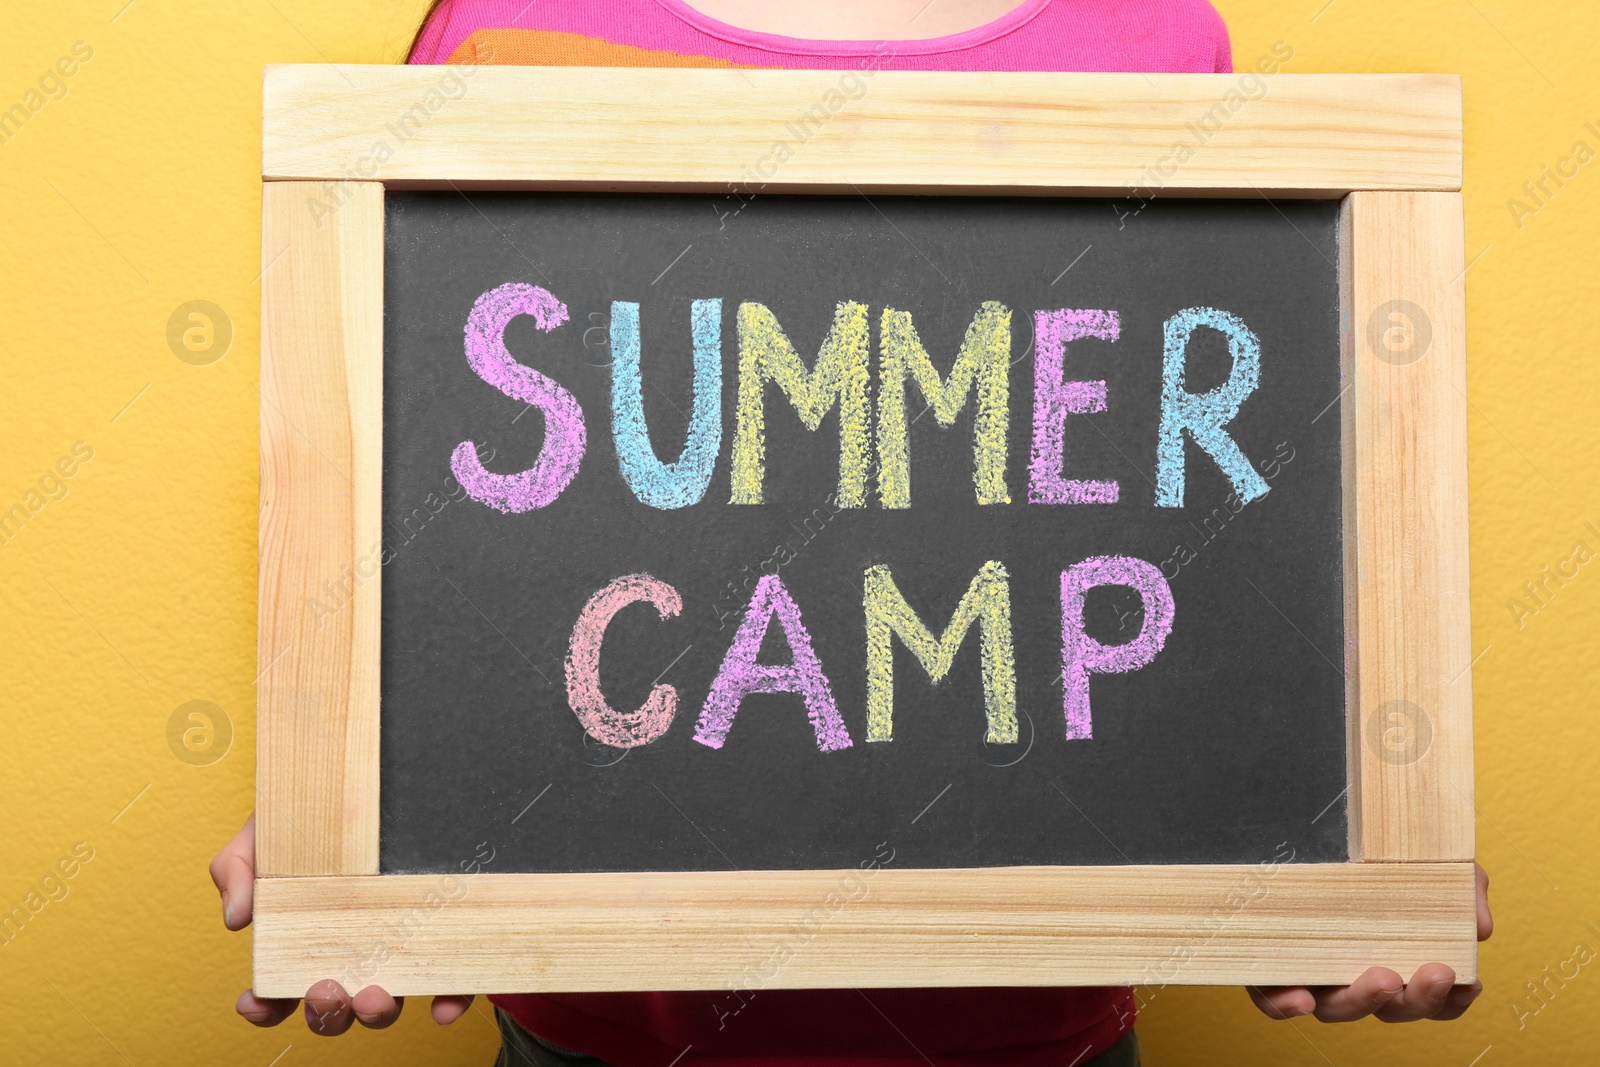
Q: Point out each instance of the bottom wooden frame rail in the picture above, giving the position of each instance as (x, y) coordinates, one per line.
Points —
(1316, 924)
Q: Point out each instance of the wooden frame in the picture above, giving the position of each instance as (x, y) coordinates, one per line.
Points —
(1388, 146)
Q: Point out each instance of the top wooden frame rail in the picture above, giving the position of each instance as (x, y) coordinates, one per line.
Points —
(1311, 135)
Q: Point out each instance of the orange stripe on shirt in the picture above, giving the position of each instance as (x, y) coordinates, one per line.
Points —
(552, 48)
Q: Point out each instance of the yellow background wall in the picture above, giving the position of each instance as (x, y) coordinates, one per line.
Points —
(134, 593)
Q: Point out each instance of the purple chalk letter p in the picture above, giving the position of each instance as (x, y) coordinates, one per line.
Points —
(1082, 655)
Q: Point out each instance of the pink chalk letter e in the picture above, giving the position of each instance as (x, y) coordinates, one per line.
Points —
(1054, 398)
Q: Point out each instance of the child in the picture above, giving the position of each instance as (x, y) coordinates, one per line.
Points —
(992, 1027)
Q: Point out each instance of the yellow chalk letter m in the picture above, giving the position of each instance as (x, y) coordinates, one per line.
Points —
(840, 375)
(987, 602)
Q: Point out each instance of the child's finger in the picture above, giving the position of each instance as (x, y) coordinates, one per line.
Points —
(1424, 996)
(236, 881)
(1485, 919)
(233, 872)
(328, 1010)
(1459, 1000)
(1361, 998)
(263, 1012)
(375, 1008)
(1283, 1002)
(447, 1010)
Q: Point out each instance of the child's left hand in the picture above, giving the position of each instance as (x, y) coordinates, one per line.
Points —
(1431, 994)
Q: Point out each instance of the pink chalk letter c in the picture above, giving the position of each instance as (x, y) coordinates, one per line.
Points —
(619, 729)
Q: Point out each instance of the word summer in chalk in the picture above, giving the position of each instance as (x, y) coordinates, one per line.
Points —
(839, 377)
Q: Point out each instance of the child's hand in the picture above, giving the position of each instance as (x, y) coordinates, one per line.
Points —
(330, 1011)
(1432, 993)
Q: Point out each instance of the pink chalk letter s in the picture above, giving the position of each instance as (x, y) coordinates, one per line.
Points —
(564, 435)
(1082, 655)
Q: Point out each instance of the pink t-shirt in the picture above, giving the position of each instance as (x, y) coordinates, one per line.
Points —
(1011, 1027)
(1185, 36)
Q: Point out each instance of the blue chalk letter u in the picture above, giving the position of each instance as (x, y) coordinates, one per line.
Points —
(1204, 415)
(666, 485)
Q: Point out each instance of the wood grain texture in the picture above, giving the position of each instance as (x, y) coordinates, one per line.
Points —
(720, 130)
(1406, 527)
(321, 911)
(1266, 924)
(321, 480)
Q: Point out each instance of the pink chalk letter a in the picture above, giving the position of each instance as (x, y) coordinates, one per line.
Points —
(741, 674)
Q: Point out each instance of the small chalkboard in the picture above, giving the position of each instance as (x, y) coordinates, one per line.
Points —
(998, 529)
(1125, 477)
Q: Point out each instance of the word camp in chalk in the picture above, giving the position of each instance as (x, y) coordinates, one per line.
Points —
(839, 377)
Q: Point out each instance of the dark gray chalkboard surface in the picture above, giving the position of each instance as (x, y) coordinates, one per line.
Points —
(1227, 745)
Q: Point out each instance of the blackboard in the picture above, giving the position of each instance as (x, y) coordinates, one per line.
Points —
(1227, 745)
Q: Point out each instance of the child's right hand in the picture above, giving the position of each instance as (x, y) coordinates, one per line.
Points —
(330, 1011)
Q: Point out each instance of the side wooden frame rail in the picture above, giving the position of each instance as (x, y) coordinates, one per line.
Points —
(321, 500)
(1388, 146)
